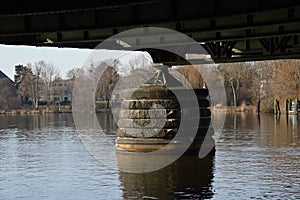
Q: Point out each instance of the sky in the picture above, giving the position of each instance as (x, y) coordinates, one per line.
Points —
(64, 58)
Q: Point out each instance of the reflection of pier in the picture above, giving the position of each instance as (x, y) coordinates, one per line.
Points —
(187, 178)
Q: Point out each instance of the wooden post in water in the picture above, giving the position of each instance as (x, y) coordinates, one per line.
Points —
(296, 106)
(258, 106)
(287, 111)
(277, 107)
(274, 107)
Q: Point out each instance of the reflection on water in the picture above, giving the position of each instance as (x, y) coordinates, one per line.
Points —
(41, 157)
(187, 178)
(258, 159)
(34, 122)
(267, 130)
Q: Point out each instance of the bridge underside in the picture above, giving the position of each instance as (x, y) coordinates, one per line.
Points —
(230, 30)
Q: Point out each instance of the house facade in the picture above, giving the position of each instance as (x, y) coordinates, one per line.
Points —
(62, 90)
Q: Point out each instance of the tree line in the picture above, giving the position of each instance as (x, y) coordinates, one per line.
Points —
(31, 81)
(34, 83)
(263, 80)
(35, 80)
(248, 82)
(244, 82)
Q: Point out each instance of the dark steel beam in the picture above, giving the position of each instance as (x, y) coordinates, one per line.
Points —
(231, 29)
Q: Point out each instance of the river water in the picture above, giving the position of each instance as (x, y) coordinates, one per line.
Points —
(42, 157)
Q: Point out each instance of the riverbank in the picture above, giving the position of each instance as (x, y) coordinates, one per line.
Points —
(233, 109)
(68, 110)
(43, 111)
(30, 112)
(229, 109)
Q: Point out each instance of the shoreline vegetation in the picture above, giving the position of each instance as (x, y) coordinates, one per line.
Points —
(230, 109)
(33, 112)
(227, 109)
(267, 86)
(69, 110)
(103, 106)
(46, 110)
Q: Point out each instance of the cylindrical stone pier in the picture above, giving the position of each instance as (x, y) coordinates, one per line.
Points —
(150, 118)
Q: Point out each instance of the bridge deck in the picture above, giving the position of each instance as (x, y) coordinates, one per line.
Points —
(230, 30)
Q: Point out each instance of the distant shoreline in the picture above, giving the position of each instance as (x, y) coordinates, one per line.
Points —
(51, 111)
(42, 111)
(227, 109)
(233, 109)
(31, 112)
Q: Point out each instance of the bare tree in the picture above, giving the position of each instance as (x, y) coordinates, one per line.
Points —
(232, 76)
(140, 61)
(106, 77)
(287, 80)
(72, 73)
(24, 84)
(35, 81)
(48, 73)
(30, 84)
(192, 75)
(238, 77)
(36, 84)
(265, 73)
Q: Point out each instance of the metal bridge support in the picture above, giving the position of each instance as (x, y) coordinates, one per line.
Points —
(275, 45)
(220, 49)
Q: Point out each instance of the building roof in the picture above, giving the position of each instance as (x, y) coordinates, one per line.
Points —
(64, 80)
(3, 75)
